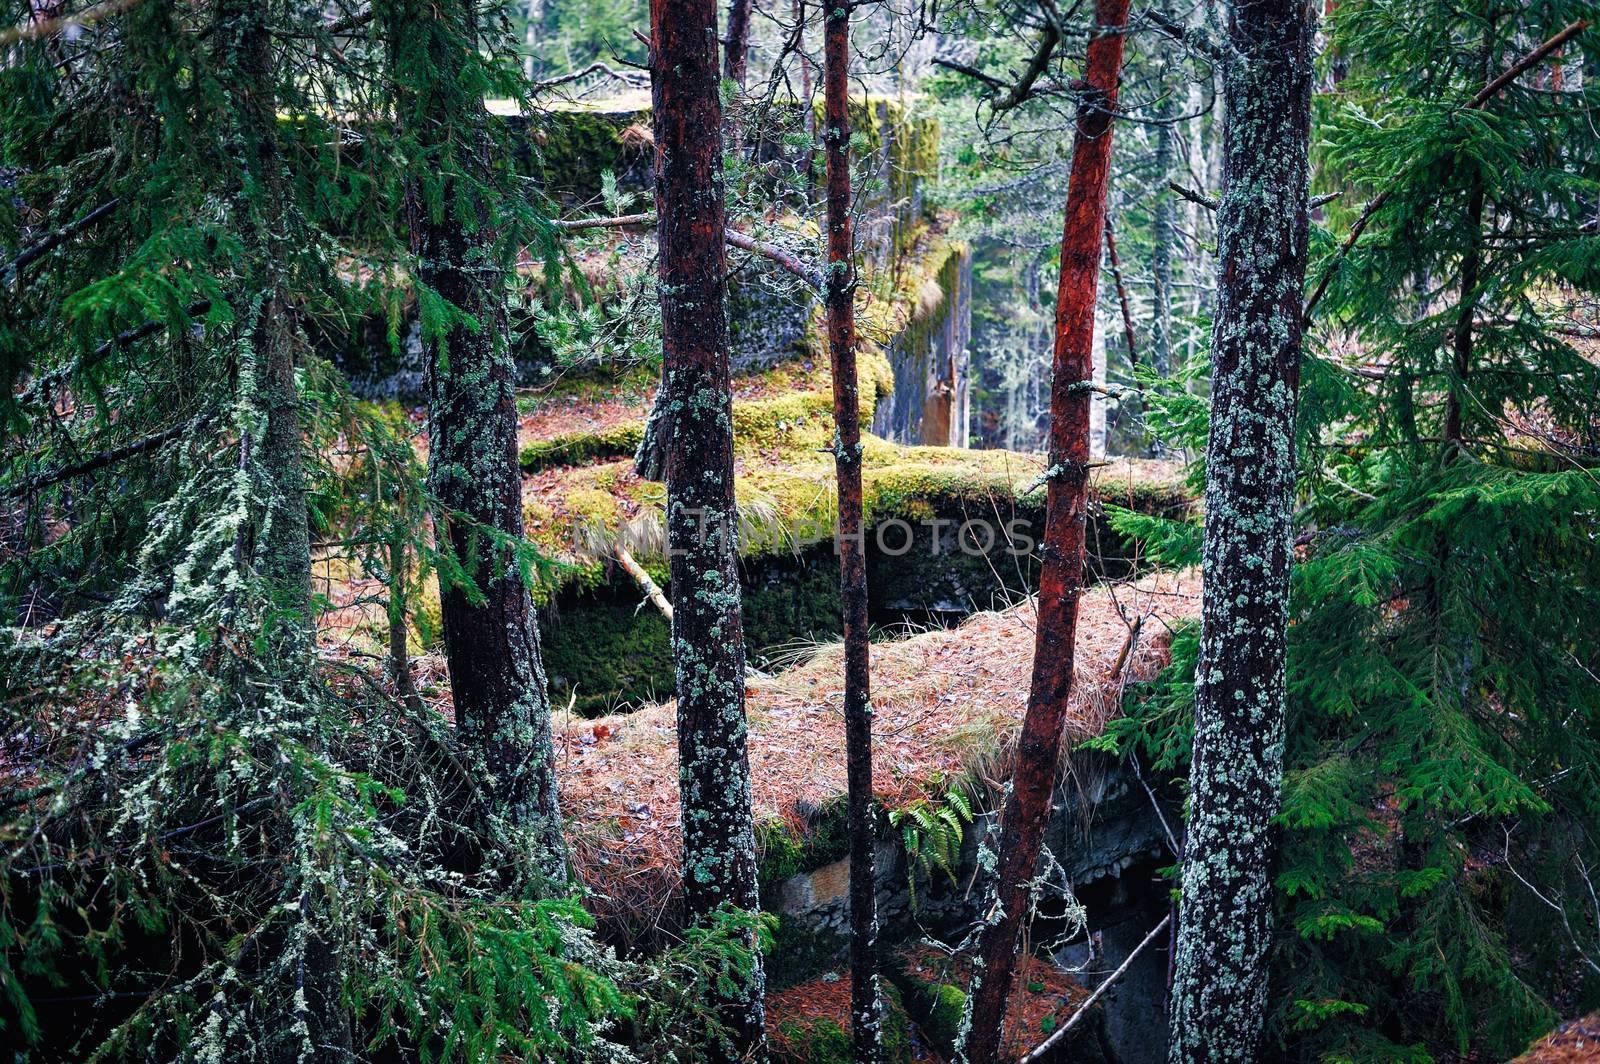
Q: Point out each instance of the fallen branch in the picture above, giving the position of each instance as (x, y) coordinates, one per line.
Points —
(651, 589)
(1376, 203)
(1038, 1052)
(592, 68)
(775, 254)
(624, 221)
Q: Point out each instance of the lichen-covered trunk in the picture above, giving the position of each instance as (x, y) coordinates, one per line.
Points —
(1038, 752)
(276, 543)
(719, 856)
(1220, 977)
(866, 1010)
(491, 640)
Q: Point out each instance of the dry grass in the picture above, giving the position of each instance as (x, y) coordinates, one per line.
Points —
(948, 704)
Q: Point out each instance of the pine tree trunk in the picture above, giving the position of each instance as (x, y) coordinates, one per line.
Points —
(866, 1009)
(1220, 978)
(737, 59)
(719, 860)
(497, 676)
(1038, 752)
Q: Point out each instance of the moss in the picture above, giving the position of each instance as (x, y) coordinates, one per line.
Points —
(568, 149)
(946, 1003)
(604, 650)
(576, 448)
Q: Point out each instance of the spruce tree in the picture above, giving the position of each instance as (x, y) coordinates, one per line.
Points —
(459, 213)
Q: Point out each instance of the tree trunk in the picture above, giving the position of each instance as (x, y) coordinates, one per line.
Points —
(277, 541)
(866, 1009)
(1038, 752)
(1220, 980)
(1163, 236)
(719, 860)
(736, 63)
(497, 676)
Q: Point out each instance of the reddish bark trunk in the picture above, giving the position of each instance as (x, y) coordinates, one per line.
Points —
(1061, 576)
(736, 63)
(719, 859)
(866, 1012)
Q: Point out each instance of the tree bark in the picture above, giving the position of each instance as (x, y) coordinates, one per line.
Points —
(736, 63)
(497, 676)
(719, 861)
(277, 542)
(1163, 236)
(1225, 919)
(866, 1009)
(1038, 752)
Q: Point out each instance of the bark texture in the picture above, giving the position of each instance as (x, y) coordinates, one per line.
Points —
(277, 542)
(719, 858)
(1220, 978)
(497, 675)
(1038, 752)
(866, 1009)
(737, 59)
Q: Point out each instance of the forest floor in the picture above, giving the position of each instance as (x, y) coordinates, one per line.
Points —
(947, 705)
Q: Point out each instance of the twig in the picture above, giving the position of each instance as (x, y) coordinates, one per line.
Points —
(1037, 1053)
(1192, 196)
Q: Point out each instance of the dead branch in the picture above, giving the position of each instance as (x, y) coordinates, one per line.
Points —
(1039, 1051)
(651, 589)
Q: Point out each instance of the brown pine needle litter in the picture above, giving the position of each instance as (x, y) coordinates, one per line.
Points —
(947, 705)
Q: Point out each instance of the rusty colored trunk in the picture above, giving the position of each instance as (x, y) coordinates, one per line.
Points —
(736, 63)
(719, 854)
(1061, 576)
(866, 1010)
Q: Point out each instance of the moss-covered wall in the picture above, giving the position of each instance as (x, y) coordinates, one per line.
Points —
(927, 562)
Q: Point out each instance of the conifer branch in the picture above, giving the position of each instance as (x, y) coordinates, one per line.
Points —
(1484, 96)
(43, 247)
(98, 461)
